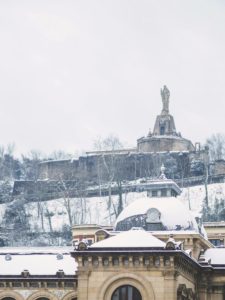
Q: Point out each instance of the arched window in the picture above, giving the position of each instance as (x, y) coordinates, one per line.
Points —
(126, 292)
(7, 298)
(42, 298)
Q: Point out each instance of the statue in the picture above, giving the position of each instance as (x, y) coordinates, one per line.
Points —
(165, 94)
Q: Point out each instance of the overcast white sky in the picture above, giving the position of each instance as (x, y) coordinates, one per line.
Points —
(74, 70)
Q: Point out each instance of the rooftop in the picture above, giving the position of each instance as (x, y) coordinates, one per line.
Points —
(134, 238)
(173, 214)
(37, 261)
(216, 255)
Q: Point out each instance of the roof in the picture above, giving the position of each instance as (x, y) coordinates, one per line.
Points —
(173, 212)
(134, 238)
(160, 184)
(38, 261)
(217, 256)
(214, 224)
(35, 250)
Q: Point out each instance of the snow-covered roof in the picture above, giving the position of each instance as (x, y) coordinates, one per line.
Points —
(134, 238)
(164, 137)
(173, 212)
(35, 250)
(37, 261)
(217, 256)
(214, 224)
(175, 232)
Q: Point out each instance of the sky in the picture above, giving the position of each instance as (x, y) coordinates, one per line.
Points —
(74, 71)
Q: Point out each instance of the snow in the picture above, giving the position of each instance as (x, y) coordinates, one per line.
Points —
(196, 194)
(137, 238)
(217, 256)
(172, 210)
(35, 250)
(166, 137)
(96, 210)
(41, 261)
(175, 232)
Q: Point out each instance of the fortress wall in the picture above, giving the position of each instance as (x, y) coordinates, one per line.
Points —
(155, 144)
(124, 166)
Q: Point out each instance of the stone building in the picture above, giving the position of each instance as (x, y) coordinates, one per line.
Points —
(37, 274)
(156, 251)
(135, 265)
(164, 136)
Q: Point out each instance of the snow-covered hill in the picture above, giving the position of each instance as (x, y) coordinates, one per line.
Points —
(53, 215)
(193, 196)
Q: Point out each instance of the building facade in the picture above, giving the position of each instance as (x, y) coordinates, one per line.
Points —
(157, 250)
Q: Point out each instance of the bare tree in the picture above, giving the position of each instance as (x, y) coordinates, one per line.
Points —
(66, 190)
(216, 144)
(40, 210)
(109, 166)
(60, 154)
(74, 199)
(49, 214)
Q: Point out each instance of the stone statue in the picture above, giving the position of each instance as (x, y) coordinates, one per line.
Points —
(165, 94)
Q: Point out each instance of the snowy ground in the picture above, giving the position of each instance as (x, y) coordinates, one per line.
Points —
(193, 197)
(95, 211)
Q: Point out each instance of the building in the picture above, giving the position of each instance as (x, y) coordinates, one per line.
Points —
(37, 274)
(91, 233)
(156, 250)
(216, 233)
(164, 136)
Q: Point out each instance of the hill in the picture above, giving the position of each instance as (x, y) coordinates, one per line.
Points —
(49, 222)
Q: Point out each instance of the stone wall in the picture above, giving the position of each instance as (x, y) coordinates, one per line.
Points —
(165, 143)
(126, 166)
(154, 275)
(186, 168)
(218, 167)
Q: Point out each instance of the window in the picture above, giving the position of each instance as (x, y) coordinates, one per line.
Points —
(217, 242)
(173, 193)
(126, 292)
(90, 241)
(164, 193)
(155, 226)
(154, 193)
(7, 298)
(162, 130)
